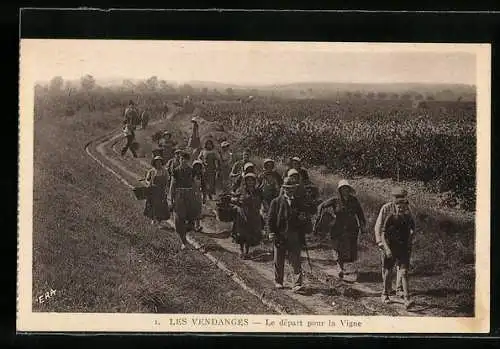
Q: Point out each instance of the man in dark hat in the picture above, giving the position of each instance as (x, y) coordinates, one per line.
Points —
(287, 222)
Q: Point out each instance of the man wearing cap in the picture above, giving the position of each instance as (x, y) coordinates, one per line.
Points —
(286, 222)
(395, 243)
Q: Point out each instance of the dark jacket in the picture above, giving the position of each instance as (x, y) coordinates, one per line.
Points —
(284, 221)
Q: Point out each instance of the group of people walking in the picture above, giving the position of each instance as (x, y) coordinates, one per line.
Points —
(274, 206)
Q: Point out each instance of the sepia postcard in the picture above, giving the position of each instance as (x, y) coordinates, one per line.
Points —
(271, 187)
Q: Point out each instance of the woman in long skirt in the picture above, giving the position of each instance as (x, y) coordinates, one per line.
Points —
(247, 228)
(199, 192)
(156, 203)
(349, 222)
(185, 206)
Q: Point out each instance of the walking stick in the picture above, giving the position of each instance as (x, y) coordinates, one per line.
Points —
(308, 258)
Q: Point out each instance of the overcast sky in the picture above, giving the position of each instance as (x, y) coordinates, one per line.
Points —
(250, 63)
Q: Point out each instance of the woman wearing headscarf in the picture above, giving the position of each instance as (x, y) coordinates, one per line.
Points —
(156, 203)
(199, 191)
(247, 227)
(296, 164)
(270, 183)
(237, 169)
(349, 222)
(226, 158)
(211, 162)
(247, 168)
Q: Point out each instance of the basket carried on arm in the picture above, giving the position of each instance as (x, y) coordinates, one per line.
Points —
(225, 210)
(141, 192)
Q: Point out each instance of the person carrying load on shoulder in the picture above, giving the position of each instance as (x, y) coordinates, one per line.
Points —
(247, 227)
(199, 192)
(286, 222)
(211, 163)
(129, 133)
(186, 210)
(194, 140)
(156, 203)
(348, 222)
(394, 234)
(226, 158)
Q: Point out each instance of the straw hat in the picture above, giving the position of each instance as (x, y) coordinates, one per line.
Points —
(224, 144)
(292, 172)
(266, 161)
(296, 158)
(156, 158)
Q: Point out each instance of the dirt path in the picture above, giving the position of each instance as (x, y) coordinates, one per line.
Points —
(325, 294)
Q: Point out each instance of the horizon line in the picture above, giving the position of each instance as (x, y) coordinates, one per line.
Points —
(268, 84)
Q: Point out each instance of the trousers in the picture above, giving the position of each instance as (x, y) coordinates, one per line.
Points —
(128, 145)
(293, 253)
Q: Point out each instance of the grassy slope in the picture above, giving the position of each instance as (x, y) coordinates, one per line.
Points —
(93, 246)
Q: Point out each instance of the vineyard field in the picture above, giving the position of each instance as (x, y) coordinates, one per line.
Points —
(363, 138)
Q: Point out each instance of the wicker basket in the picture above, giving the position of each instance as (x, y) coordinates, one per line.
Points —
(225, 213)
(157, 152)
(141, 193)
